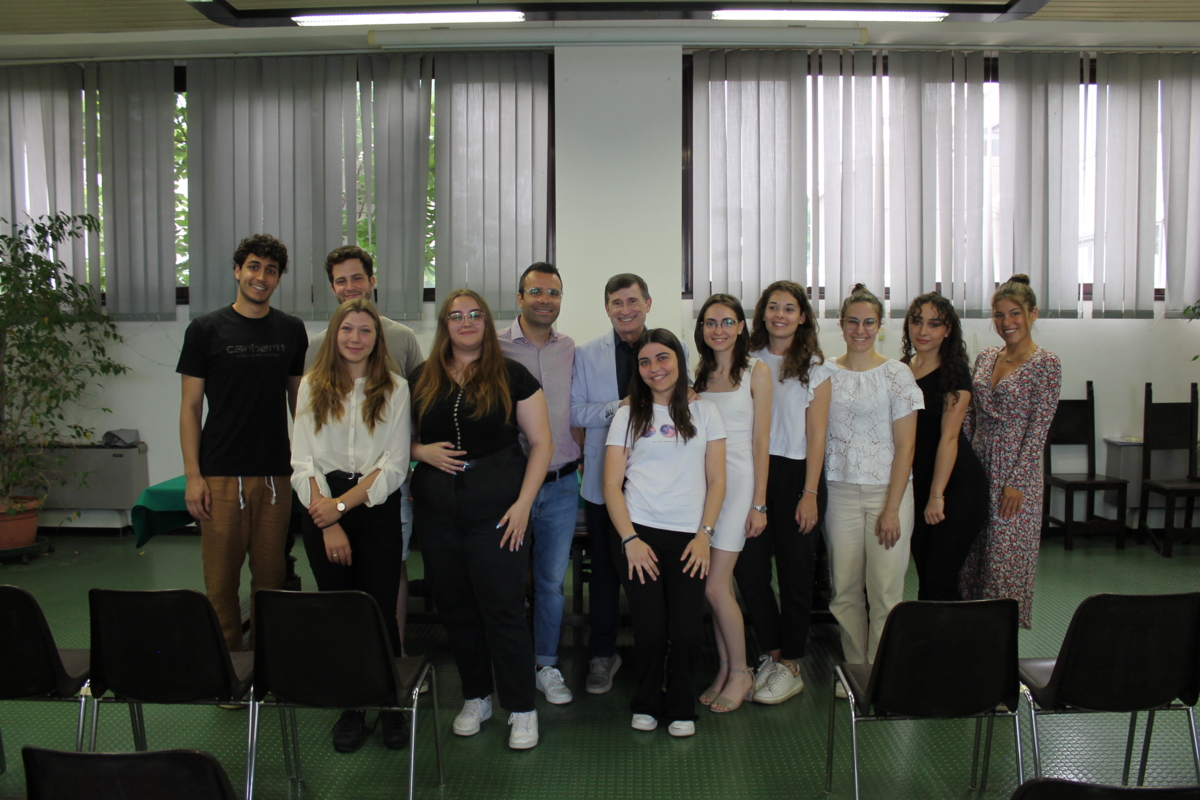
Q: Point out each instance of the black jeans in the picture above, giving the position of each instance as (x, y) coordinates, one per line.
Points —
(668, 627)
(604, 587)
(784, 625)
(478, 587)
(376, 554)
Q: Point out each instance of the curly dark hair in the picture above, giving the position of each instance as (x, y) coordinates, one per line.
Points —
(741, 345)
(263, 245)
(953, 353)
(805, 346)
(345, 253)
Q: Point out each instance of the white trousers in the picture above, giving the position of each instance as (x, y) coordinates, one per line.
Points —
(858, 562)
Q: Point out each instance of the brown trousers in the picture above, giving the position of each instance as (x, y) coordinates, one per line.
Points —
(251, 525)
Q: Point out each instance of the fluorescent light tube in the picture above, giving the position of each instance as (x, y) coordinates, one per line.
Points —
(849, 15)
(415, 18)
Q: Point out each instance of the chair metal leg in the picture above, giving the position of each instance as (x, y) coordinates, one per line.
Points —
(251, 747)
(1129, 748)
(1020, 755)
(854, 743)
(975, 751)
(287, 750)
(95, 719)
(987, 753)
(437, 728)
(295, 744)
(829, 745)
(1145, 748)
(78, 727)
(139, 727)
(1191, 712)
(412, 742)
(1037, 753)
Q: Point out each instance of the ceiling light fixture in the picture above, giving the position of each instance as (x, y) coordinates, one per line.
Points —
(849, 15)
(415, 18)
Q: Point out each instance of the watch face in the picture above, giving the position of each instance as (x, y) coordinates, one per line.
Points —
(341, 506)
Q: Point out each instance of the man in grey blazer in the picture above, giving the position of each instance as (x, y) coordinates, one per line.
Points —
(600, 379)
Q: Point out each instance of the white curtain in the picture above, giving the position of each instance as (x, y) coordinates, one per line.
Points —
(1181, 178)
(137, 122)
(491, 146)
(396, 166)
(749, 156)
(269, 152)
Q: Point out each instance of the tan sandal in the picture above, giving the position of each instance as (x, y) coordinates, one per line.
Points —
(711, 693)
(727, 704)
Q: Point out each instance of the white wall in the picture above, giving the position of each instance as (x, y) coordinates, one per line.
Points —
(618, 130)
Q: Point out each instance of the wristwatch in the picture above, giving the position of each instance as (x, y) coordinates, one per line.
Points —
(341, 507)
(706, 529)
(760, 509)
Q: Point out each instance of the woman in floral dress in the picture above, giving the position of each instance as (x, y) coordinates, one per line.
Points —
(1015, 391)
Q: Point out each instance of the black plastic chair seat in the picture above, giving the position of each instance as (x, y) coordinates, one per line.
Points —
(859, 676)
(1059, 789)
(1174, 485)
(1035, 674)
(1061, 479)
(243, 670)
(175, 774)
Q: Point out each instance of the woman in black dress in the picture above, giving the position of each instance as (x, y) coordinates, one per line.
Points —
(950, 488)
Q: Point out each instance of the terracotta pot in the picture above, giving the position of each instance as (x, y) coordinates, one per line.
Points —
(19, 529)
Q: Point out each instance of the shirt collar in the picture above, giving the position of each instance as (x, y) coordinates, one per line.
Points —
(513, 333)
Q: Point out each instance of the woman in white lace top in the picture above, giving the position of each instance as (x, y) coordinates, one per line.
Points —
(868, 464)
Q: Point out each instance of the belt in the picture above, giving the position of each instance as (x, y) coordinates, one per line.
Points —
(345, 476)
(561, 472)
(491, 458)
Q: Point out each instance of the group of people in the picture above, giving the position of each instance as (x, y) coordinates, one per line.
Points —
(690, 482)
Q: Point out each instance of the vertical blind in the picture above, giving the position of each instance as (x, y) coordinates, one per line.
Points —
(491, 150)
(917, 171)
(65, 132)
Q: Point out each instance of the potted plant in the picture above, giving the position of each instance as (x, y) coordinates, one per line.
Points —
(53, 344)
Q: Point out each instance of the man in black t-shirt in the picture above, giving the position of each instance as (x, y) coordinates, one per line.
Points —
(245, 360)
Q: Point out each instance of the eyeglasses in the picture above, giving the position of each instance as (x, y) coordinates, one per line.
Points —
(870, 323)
(535, 292)
(457, 317)
(726, 324)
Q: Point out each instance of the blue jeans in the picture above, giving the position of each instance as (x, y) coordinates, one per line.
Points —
(552, 522)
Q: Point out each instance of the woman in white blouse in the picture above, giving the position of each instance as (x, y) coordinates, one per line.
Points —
(350, 448)
(868, 465)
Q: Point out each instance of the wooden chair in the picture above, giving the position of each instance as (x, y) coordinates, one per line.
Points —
(1075, 424)
(1169, 426)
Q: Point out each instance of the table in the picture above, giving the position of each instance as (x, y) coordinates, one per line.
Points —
(160, 508)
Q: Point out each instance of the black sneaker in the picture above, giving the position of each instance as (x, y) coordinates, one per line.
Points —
(350, 731)
(395, 729)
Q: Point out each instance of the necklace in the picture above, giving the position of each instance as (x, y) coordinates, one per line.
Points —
(1018, 357)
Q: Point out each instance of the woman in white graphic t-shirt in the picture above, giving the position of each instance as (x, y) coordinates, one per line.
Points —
(664, 482)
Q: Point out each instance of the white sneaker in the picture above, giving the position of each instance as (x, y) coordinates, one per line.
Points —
(473, 712)
(681, 728)
(839, 691)
(644, 722)
(766, 667)
(550, 683)
(780, 685)
(524, 730)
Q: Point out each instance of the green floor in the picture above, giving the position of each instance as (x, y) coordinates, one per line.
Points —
(588, 751)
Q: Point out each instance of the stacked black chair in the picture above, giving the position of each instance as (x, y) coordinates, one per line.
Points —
(173, 774)
(1169, 426)
(32, 667)
(1058, 789)
(161, 647)
(1122, 654)
(937, 660)
(331, 650)
(1075, 424)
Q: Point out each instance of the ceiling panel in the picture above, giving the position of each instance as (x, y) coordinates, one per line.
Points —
(98, 16)
(1120, 11)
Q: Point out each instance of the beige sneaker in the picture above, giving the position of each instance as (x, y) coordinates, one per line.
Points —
(780, 685)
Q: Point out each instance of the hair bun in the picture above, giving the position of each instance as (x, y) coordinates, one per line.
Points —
(1020, 277)
(858, 287)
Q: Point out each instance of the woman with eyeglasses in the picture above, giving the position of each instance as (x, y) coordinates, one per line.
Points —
(472, 493)
(350, 448)
(740, 387)
(868, 466)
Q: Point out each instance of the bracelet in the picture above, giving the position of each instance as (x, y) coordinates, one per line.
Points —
(760, 509)
(810, 491)
(627, 540)
(706, 529)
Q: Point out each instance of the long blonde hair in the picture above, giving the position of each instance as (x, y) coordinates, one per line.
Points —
(485, 380)
(329, 381)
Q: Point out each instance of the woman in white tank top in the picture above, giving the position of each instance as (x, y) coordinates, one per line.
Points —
(740, 387)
